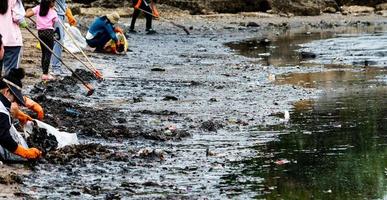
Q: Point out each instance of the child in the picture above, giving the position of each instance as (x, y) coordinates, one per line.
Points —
(11, 17)
(46, 17)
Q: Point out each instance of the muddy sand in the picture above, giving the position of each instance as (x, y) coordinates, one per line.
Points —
(168, 91)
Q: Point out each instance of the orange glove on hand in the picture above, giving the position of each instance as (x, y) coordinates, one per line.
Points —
(70, 17)
(17, 113)
(30, 153)
(23, 118)
(118, 29)
(32, 105)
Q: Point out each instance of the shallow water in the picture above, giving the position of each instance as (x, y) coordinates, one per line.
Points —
(211, 83)
(332, 148)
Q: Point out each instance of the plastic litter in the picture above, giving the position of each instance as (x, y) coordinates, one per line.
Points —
(79, 39)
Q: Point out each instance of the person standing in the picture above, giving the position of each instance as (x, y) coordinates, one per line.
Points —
(62, 11)
(11, 142)
(46, 16)
(149, 7)
(11, 17)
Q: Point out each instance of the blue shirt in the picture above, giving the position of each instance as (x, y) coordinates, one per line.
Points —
(100, 25)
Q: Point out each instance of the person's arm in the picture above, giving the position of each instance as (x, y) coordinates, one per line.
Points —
(6, 139)
(111, 32)
(10, 144)
(32, 105)
(70, 17)
(1, 48)
(18, 12)
(29, 13)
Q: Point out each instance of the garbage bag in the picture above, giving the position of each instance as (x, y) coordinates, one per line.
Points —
(78, 38)
(63, 138)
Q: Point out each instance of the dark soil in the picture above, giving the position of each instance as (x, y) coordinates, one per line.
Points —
(41, 140)
(81, 153)
(11, 178)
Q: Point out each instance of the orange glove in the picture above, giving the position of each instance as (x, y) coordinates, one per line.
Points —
(32, 105)
(17, 113)
(118, 29)
(70, 17)
(137, 5)
(30, 153)
(23, 118)
(155, 12)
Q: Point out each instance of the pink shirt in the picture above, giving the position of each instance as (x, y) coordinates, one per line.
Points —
(9, 27)
(46, 22)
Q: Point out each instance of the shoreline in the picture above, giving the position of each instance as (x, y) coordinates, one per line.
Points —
(212, 26)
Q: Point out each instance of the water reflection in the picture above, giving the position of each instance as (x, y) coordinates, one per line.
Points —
(278, 51)
(331, 79)
(349, 46)
(336, 148)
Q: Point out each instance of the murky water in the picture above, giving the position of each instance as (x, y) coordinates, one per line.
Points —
(332, 147)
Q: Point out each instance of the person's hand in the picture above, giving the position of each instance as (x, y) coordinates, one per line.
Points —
(118, 29)
(32, 105)
(30, 153)
(70, 17)
(23, 118)
(114, 48)
(23, 24)
(72, 21)
(57, 33)
(17, 113)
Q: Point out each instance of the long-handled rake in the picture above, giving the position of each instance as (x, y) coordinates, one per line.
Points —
(172, 22)
(71, 53)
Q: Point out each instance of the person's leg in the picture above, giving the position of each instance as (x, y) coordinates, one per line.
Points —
(12, 57)
(148, 17)
(99, 41)
(47, 36)
(56, 64)
(136, 13)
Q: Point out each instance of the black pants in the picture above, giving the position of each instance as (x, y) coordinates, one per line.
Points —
(47, 36)
(136, 13)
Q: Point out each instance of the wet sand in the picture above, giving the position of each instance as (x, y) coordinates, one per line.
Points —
(211, 30)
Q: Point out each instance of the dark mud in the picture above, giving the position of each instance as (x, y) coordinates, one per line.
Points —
(42, 140)
(11, 178)
(135, 144)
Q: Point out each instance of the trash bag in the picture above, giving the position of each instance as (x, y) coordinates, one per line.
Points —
(78, 38)
(63, 138)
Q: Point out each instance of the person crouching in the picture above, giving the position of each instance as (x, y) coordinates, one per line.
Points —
(11, 143)
(102, 30)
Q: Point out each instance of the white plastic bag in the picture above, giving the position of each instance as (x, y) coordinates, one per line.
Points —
(63, 138)
(78, 38)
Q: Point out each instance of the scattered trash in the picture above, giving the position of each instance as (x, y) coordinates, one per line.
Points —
(282, 162)
(271, 77)
(170, 98)
(72, 112)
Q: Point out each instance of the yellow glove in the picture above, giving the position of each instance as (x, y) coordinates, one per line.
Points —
(70, 17)
(30, 153)
(32, 105)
